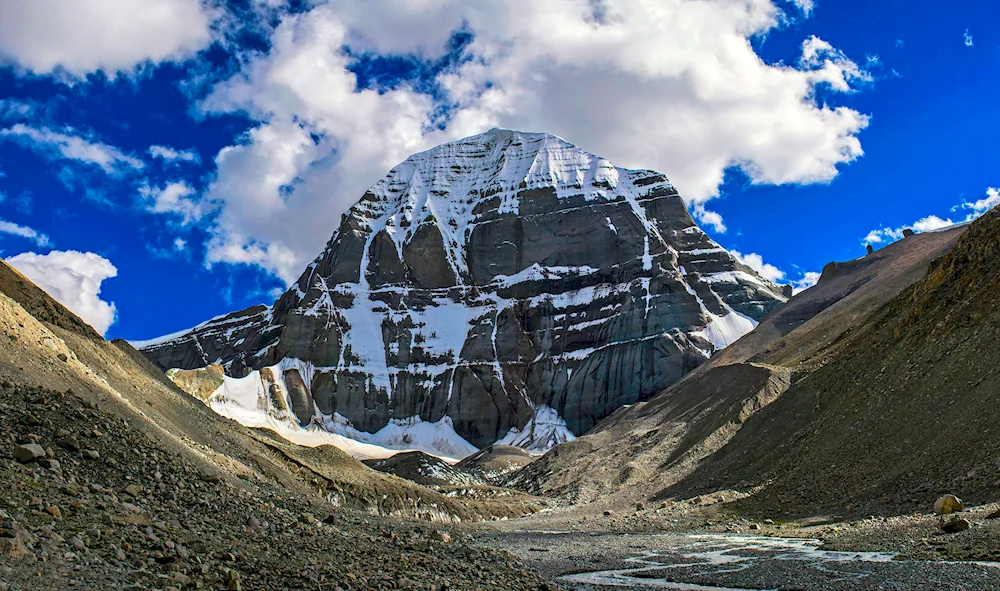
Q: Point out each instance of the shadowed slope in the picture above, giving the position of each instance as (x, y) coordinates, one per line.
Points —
(901, 410)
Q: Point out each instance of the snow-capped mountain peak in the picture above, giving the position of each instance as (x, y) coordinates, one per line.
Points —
(488, 278)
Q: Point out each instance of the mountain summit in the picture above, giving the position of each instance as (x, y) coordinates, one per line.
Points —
(509, 285)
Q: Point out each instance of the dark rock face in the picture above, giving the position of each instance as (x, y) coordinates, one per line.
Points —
(487, 279)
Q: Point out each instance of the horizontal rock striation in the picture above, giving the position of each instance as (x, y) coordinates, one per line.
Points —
(490, 280)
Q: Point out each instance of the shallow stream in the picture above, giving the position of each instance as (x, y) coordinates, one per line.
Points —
(705, 556)
(600, 561)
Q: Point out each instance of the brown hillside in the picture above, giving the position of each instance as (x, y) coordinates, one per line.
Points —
(902, 410)
(39, 304)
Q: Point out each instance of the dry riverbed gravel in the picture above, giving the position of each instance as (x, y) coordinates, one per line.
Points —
(677, 544)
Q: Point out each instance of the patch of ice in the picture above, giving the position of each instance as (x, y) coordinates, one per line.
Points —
(244, 393)
(740, 277)
(246, 400)
(445, 325)
(723, 331)
(701, 251)
(647, 259)
(537, 272)
(364, 337)
(437, 439)
(582, 296)
(545, 430)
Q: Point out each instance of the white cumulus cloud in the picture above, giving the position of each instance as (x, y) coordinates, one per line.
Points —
(774, 274)
(932, 222)
(77, 37)
(709, 218)
(807, 280)
(983, 205)
(806, 6)
(925, 224)
(673, 86)
(74, 279)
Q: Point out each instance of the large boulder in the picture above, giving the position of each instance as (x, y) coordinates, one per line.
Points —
(28, 453)
(948, 504)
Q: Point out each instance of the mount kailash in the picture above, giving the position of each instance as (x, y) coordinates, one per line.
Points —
(505, 287)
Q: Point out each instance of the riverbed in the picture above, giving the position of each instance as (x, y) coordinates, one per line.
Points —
(722, 562)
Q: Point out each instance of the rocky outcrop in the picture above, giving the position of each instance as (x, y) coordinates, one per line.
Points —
(490, 280)
(201, 382)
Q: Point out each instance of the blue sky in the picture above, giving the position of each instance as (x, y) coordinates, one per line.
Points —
(202, 163)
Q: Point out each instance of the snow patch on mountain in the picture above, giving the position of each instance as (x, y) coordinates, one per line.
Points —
(247, 401)
(545, 430)
(437, 439)
(723, 331)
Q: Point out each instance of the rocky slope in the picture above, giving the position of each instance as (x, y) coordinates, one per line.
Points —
(113, 478)
(898, 412)
(672, 447)
(426, 470)
(509, 282)
(496, 462)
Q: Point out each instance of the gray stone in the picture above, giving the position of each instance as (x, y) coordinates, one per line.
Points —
(28, 453)
(69, 443)
(211, 477)
(50, 464)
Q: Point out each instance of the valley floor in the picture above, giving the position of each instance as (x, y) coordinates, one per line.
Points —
(686, 552)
